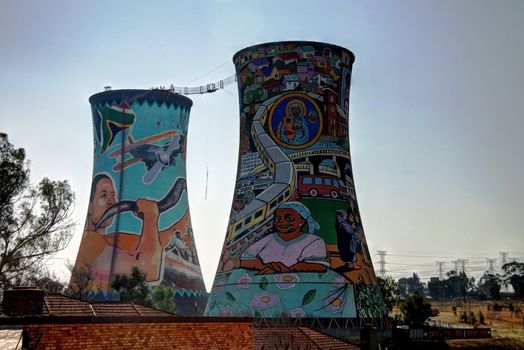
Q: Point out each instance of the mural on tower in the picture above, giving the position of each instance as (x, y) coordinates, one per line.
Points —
(294, 246)
(138, 212)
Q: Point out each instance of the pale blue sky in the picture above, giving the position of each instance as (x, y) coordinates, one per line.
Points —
(436, 107)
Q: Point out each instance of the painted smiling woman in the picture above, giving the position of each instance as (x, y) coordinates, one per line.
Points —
(293, 246)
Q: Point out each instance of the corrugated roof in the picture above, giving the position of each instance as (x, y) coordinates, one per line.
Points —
(62, 305)
(324, 341)
(297, 338)
(292, 77)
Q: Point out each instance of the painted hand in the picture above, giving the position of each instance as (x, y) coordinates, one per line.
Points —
(147, 207)
(277, 266)
(266, 270)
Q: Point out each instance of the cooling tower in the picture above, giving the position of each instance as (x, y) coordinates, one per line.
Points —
(138, 212)
(294, 245)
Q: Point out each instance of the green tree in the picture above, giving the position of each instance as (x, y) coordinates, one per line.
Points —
(35, 221)
(253, 94)
(458, 284)
(514, 276)
(132, 287)
(437, 289)
(163, 298)
(410, 285)
(81, 281)
(489, 285)
(415, 309)
(48, 282)
(389, 290)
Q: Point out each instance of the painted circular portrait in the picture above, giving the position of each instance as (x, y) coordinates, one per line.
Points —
(295, 121)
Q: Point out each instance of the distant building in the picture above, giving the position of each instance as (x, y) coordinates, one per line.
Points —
(305, 70)
(330, 113)
(288, 58)
(291, 81)
(335, 61)
(259, 64)
(342, 126)
(322, 79)
(248, 162)
(273, 86)
(306, 51)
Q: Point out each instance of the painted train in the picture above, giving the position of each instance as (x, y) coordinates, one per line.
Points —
(258, 211)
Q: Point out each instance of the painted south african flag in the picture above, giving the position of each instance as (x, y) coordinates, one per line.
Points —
(110, 121)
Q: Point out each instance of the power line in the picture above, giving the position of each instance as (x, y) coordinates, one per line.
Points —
(404, 264)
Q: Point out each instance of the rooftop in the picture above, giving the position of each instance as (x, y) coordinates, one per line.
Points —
(298, 337)
(62, 305)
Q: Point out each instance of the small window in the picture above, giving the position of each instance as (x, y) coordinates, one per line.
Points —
(327, 182)
(307, 180)
(259, 213)
(238, 227)
(247, 221)
(318, 181)
(280, 198)
(336, 183)
(272, 205)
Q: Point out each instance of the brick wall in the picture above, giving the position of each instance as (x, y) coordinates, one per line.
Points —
(179, 335)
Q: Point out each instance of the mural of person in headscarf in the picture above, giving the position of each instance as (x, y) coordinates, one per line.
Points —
(293, 246)
(144, 250)
(293, 129)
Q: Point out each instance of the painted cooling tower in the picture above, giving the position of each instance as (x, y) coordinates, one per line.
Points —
(294, 245)
(138, 212)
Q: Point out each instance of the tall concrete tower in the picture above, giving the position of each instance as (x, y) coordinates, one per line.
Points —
(138, 213)
(295, 246)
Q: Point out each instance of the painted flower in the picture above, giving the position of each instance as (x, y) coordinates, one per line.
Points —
(338, 281)
(286, 280)
(218, 287)
(297, 313)
(264, 300)
(334, 303)
(226, 311)
(244, 281)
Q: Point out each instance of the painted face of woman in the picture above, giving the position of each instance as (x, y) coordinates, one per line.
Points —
(288, 221)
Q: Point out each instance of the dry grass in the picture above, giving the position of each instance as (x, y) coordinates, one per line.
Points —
(480, 344)
(507, 329)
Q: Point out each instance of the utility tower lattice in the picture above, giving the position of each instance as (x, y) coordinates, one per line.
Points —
(440, 269)
(461, 265)
(382, 263)
(491, 265)
(503, 258)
